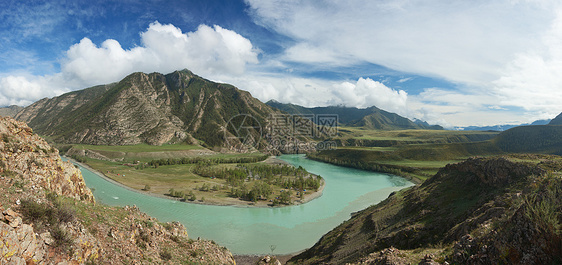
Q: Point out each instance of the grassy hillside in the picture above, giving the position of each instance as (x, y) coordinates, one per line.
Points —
(545, 139)
(481, 211)
(416, 154)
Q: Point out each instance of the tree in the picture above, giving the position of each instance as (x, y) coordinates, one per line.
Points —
(285, 197)
(146, 187)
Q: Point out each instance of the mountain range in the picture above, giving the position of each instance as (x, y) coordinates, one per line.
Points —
(10, 111)
(502, 127)
(177, 107)
(370, 118)
(144, 108)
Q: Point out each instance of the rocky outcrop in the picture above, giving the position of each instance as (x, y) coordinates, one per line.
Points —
(389, 256)
(20, 244)
(49, 216)
(33, 164)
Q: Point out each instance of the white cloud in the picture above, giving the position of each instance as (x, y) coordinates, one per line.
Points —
(209, 51)
(461, 41)
(504, 56)
(405, 79)
(23, 90)
(533, 80)
(306, 53)
(313, 92)
(366, 92)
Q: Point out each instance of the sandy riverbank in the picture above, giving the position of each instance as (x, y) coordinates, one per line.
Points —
(233, 202)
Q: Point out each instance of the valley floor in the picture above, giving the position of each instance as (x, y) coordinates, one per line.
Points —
(211, 198)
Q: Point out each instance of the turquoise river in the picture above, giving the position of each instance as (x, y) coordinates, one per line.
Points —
(247, 230)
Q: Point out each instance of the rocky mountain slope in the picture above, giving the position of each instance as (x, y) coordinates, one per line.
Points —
(481, 211)
(145, 108)
(49, 216)
(371, 118)
(10, 111)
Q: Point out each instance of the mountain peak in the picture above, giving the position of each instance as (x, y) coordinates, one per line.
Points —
(144, 108)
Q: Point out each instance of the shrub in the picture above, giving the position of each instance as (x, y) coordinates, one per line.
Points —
(33, 211)
(61, 237)
(165, 255)
(65, 214)
(144, 236)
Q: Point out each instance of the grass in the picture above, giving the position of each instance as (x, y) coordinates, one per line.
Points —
(146, 153)
(139, 148)
(159, 179)
(163, 178)
(412, 135)
(416, 154)
(180, 178)
(140, 152)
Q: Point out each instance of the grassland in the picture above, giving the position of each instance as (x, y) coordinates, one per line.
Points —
(413, 136)
(159, 170)
(139, 148)
(139, 152)
(415, 154)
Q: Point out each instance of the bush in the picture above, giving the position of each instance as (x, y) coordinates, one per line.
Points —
(61, 237)
(165, 255)
(65, 214)
(33, 211)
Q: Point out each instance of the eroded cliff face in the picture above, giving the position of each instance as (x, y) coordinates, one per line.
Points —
(49, 216)
(34, 165)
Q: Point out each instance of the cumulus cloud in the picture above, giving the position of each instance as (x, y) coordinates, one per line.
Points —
(314, 92)
(366, 92)
(208, 51)
(23, 90)
(165, 48)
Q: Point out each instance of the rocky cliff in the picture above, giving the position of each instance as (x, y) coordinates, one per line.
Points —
(49, 216)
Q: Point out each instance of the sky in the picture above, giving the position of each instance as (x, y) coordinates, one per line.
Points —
(450, 62)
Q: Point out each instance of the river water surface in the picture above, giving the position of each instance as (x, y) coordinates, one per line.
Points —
(246, 230)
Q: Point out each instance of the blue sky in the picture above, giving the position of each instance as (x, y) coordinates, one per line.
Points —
(455, 63)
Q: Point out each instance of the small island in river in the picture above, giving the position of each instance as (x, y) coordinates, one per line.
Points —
(249, 180)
